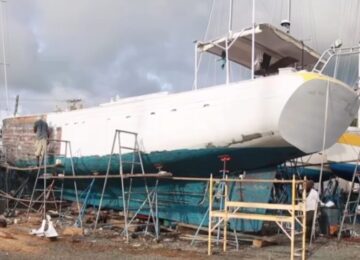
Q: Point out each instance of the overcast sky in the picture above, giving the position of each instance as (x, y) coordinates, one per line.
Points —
(95, 50)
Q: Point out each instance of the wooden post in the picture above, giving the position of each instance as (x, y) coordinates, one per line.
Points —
(210, 211)
(226, 213)
(293, 199)
(304, 220)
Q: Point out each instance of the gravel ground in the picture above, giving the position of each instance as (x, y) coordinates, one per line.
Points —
(16, 243)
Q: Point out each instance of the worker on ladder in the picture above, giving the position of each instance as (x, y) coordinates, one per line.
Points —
(41, 129)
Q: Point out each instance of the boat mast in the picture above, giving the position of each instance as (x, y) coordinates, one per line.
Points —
(230, 16)
(4, 53)
(289, 14)
(253, 41)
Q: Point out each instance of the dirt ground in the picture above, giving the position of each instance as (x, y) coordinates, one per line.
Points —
(17, 243)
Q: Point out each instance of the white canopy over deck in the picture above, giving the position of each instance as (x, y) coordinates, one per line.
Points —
(274, 49)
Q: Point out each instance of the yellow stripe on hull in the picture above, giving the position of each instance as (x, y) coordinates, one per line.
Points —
(350, 139)
(311, 75)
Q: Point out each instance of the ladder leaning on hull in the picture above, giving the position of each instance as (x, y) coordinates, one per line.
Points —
(351, 210)
(330, 54)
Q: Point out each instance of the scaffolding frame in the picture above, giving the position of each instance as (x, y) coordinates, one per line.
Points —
(48, 189)
(151, 195)
(231, 211)
(17, 196)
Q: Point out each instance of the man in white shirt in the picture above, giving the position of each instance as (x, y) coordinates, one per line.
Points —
(312, 200)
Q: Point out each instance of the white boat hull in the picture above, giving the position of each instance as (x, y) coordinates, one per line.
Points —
(254, 116)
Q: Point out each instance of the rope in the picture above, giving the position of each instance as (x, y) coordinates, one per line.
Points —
(322, 159)
(312, 17)
(205, 36)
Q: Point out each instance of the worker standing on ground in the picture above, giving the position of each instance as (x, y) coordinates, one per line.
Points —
(312, 200)
(42, 134)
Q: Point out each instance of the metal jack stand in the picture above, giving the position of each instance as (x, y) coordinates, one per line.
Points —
(219, 193)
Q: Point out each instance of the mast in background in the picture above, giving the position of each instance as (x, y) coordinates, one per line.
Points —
(2, 2)
(286, 23)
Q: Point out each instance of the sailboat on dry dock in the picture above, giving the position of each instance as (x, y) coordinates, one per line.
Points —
(259, 123)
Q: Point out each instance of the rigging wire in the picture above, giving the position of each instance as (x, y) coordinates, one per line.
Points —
(322, 159)
(275, 16)
(313, 20)
(205, 36)
(209, 21)
(357, 23)
(348, 61)
(302, 23)
(342, 14)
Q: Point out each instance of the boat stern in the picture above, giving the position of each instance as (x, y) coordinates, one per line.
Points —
(319, 103)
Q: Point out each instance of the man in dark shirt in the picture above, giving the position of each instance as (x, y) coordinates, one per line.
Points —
(42, 134)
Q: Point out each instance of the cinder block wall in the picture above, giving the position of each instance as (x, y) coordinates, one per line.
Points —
(19, 139)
